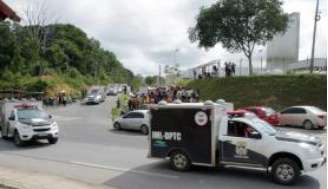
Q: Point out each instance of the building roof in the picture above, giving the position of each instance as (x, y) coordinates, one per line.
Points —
(7, 12)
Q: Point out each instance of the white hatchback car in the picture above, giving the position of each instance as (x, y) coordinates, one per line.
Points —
(134, 120)
(309, 117)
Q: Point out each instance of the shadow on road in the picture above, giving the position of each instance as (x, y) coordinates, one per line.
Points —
(126, 132)
(8, 145)
(159, 175)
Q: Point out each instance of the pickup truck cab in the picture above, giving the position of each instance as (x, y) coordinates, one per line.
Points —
(27, 121)
(203, 134)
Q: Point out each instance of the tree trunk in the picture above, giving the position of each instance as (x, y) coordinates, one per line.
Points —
(250, 65)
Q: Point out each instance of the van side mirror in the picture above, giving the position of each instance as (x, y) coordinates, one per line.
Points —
(11, 118)
(255, 135)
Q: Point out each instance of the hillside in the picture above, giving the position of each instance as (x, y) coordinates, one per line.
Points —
(55, 57)
(274, 91)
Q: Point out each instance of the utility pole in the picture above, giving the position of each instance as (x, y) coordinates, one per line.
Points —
(240, 62)
(261, 64)
(159, 76)
(316, 19)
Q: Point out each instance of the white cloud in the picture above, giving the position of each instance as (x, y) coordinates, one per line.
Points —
(145, 33)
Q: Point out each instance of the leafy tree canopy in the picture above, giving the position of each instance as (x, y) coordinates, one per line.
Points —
(239, 25)
(66, 50)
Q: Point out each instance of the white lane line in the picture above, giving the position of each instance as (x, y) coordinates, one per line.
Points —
(118, 169)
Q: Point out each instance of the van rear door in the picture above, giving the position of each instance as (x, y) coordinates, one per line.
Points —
(187, 129)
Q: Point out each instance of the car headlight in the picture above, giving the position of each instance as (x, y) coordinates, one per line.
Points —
(54, 124)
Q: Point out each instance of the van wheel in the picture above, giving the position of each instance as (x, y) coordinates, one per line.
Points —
(144, 130)
(308, 125)
(179, 161)
(285, 171)
(17, 140)
(52, 140)
(117, 126)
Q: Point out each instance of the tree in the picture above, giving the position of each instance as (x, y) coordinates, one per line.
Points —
(37, 17)
(239, 25)
(152, 80)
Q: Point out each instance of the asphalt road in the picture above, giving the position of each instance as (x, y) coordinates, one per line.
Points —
(91, 151)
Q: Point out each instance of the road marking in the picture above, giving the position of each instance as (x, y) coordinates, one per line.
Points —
(118, 169)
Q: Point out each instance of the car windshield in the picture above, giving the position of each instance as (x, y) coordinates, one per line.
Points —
(31, 114)
(314, 109)
(265, 127)
(94, 92)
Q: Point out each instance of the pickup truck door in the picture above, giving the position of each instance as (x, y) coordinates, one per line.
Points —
(241, 147)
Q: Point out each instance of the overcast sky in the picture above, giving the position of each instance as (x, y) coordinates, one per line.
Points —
(145, 33)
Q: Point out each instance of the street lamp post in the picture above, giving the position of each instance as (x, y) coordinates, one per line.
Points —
(316, 19)
(260, 51)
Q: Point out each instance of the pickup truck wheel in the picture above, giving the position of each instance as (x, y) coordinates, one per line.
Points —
(285, 171)
(52, 140)
(144, 130)
(17, 140)
(117, 126)
(180, 161)
(308, 125)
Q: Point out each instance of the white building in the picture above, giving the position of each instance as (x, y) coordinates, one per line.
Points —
(284, 48)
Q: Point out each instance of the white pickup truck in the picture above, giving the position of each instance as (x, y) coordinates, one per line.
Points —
(202, 134)
(25, 121)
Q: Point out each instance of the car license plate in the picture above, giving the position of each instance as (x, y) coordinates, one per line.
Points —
(42, 134)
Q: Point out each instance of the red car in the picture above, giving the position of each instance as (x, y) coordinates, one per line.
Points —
(264, 113)
(240, 113)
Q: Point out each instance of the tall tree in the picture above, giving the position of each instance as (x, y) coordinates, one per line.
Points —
(239, 25)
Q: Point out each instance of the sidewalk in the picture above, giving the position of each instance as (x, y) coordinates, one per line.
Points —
(17, 179)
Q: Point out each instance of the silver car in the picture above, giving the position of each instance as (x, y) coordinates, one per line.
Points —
(134, 120)
(309, 117)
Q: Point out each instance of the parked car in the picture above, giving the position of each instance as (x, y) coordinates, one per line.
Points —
(134, 120)
(112, 92)
(309, 117)
(240, 113)
(265, 113)
(96, 96)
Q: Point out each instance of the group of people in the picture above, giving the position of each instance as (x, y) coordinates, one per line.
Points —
(229, 68)
(169, 94)
(60, 99)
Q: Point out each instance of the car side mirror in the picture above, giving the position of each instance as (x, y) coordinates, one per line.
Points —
(50, 116)
(255, 135)
(11, 118)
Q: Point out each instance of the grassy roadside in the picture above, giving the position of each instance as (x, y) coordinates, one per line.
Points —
(274, 91)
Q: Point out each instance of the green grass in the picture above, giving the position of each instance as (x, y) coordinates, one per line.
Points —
(274, 91)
